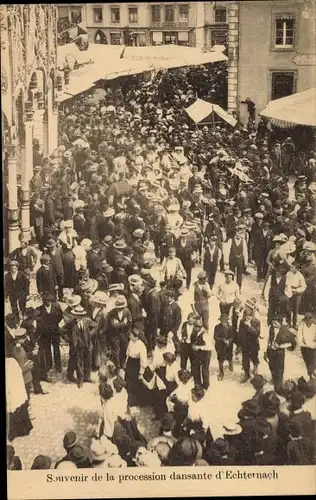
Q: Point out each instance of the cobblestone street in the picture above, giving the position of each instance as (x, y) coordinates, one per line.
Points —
(68, 408)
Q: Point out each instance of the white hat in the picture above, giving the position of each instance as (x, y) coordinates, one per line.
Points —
(86, 244)
(78, 204)
(69, 224)
(100, 298)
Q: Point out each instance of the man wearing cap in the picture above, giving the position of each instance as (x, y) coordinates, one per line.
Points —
(49, 317)
(223, 337)
(295, 286)
(170, 317)
(248, 336)
(236, 254)
(152, 306)
(172, 270)
(274, 293)
(202, 294)
(212, 259)
(16, 288)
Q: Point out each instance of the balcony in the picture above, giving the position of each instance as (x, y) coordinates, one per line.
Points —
(170, 24)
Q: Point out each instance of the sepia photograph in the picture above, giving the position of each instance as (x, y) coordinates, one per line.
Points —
(159, 241)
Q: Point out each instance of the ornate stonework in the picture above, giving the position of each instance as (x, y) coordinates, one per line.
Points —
(17, 41)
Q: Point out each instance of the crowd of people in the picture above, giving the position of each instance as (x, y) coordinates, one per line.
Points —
(131, 173)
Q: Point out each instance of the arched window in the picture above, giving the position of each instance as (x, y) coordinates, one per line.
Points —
(100, 37)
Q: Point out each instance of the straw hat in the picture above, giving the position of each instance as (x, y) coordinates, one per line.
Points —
(100, 298)
(79, 311)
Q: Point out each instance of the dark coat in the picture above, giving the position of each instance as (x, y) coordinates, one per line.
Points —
(16, 289)
(49, 322)
(57, 265)
(249, 335)
(119, 326)
(80, 226)
(170, 318)
(135, 307)
(26, 262)
(46, 280)
(93, 263)
(81, 337)
(152, 306)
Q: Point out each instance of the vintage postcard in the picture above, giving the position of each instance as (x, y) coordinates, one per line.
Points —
(159, 218)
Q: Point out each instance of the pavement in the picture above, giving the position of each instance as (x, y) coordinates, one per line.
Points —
(68, 408)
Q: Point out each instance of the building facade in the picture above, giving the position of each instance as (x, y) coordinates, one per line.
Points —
(275, 58)
(29, 109)
(216, 23)
(140, 24)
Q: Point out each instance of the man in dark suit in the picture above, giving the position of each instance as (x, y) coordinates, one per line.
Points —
(94, 259)
(45, 278)
(119, 326)
(224, 337)
(16, 288)
(79, 333)
(261, 245)
(249, 333)
(280, 338)
(49, 317)
(55, 254)
(135, 306)
(170, 317)
(152, 306)
(201, 354)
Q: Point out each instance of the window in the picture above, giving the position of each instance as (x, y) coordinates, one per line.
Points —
(133, 15)
(170, 38)
(115, 38)
(75, 16)
(100, 38)
(169, 13)
(283, 84)
(115, 14)
(155, 14)
(98, 14)
(183, 13)
(284, 32)
(220, 15)
(157, 37)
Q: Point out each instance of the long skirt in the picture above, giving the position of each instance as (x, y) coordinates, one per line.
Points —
(70, 275)
(19, 423)
(127, 438)
(138, 393)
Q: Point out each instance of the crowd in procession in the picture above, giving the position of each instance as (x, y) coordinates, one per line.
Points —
(131, 171)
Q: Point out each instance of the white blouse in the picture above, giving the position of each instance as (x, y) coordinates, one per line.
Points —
(137, 350)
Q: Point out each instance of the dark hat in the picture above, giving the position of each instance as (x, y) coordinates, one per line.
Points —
(167, 422)
(41, 462)
(251, 407)
(258, 381)
(184, 452)
(262, 426)
(95, 244)
(51, 243)
(221, 446)
(297, 399)
(45, 258)
(70, 440)
(306, 388)
(80, 456)
(270, 402)
(288, 387)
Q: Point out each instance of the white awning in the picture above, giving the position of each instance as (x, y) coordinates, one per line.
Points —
(296, 109)
(200, 110)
